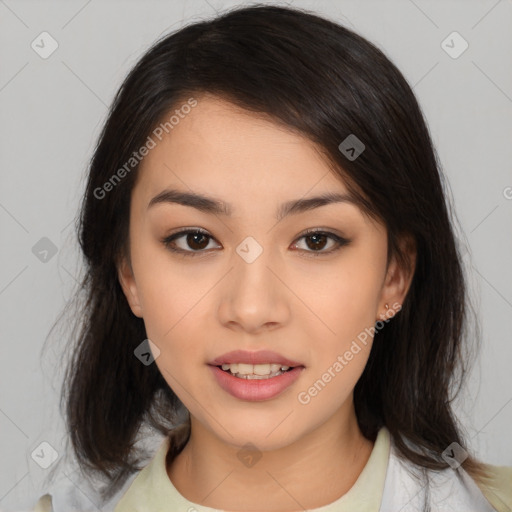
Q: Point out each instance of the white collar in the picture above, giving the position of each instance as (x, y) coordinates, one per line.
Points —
(450, 490)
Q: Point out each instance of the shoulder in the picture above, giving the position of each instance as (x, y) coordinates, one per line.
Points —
(77, 495)
(44, 504)
(450, 489)
(498, 489)
(73, 492)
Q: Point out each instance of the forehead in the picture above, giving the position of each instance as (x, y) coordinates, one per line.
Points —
(221, 149)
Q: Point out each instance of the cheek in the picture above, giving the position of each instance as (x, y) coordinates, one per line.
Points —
(175, 318)
(338, 365)
(171, 300)
(176, 322)
(168, 288)
(346, 301)
(343, 299)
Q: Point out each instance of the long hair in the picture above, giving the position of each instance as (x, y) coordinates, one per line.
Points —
(325, 82)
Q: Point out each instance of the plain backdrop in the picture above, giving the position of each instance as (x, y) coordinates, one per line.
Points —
(52, 110)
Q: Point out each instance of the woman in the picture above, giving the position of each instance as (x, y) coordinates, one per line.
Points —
(273, 283)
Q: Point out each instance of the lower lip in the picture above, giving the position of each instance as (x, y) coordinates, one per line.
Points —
(255, 389)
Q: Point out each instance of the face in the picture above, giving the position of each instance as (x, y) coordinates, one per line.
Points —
(304, 285)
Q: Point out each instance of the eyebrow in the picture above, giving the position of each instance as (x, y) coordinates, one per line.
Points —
(215, 206)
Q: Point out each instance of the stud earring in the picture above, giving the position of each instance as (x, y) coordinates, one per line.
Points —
(383, 315)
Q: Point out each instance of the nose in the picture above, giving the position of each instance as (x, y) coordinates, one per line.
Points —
(254, 296)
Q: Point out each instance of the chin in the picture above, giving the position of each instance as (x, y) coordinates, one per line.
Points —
(265, 436)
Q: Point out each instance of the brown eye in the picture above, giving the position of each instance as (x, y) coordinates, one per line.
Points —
(197, 241)
(316, 241)
(191, 242)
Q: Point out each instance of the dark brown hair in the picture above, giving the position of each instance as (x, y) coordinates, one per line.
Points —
(326, 82)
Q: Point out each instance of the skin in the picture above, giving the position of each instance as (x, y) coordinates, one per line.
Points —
(304, 305)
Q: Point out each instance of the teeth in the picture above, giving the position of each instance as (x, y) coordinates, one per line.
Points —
(254, 371)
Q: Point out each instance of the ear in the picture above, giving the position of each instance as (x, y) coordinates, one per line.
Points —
(129, 286)
(397, 281)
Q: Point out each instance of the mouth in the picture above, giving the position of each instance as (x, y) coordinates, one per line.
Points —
(255, 376)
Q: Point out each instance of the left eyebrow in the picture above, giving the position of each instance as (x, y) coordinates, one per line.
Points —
(216, 206)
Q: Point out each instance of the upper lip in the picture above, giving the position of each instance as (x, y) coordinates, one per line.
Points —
(259, 357)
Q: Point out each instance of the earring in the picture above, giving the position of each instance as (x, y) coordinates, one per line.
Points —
(383, 315)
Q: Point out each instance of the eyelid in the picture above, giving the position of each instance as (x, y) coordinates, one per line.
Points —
(320, 229)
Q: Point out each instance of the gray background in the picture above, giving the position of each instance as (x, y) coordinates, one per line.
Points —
(51, 114)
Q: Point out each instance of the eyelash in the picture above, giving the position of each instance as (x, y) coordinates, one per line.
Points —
(340, 241)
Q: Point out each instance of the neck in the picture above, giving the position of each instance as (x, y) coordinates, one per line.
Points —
(311, 472)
